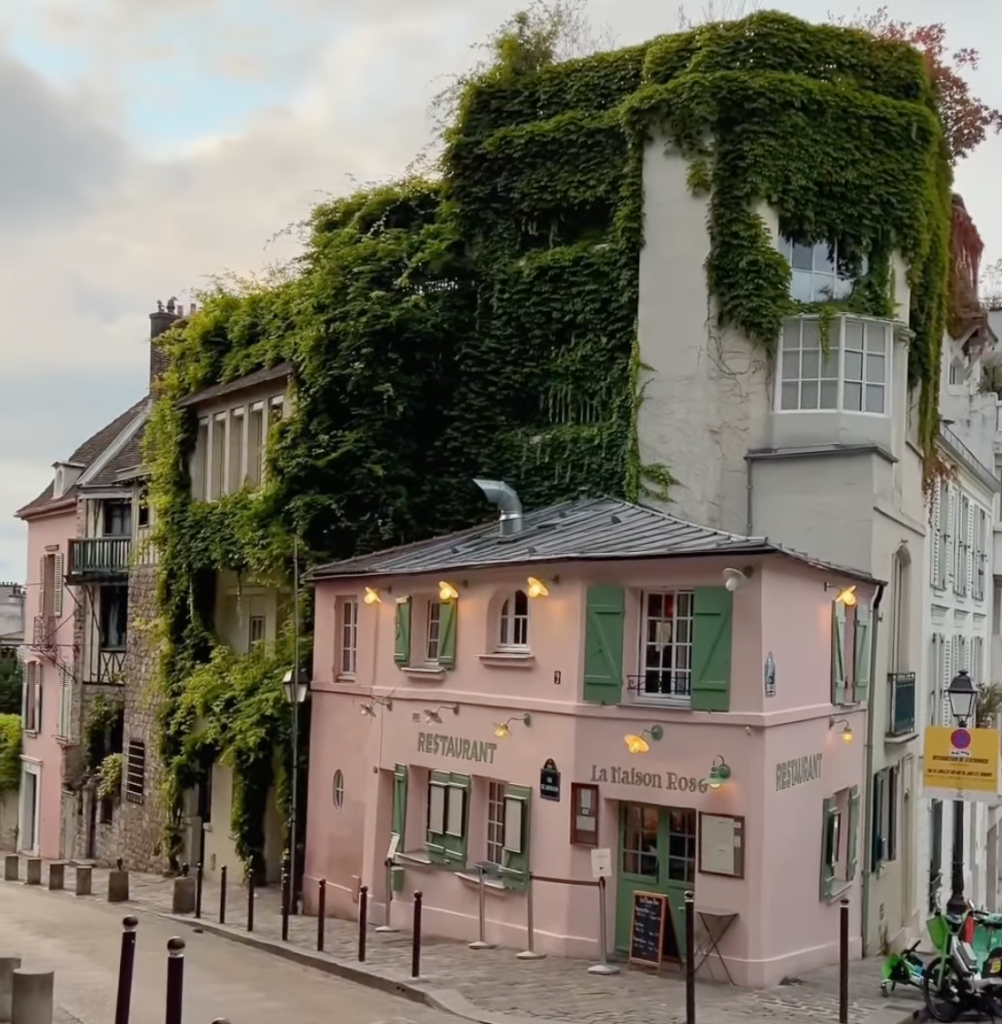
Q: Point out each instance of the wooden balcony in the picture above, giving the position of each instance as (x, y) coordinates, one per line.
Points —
(99, 559)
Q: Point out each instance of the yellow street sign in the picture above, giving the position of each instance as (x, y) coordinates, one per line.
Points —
(960, 763)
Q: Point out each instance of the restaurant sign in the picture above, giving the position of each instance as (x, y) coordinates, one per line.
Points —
(798, 771)
(649, 780)
(462, 749)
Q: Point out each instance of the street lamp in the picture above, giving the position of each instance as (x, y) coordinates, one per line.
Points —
(295, 694)
(963, 698)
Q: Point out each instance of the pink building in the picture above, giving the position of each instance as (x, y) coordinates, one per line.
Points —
(594, 689)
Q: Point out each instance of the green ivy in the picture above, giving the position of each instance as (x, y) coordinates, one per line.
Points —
(484, 321)
(10, 753)
(109, 776)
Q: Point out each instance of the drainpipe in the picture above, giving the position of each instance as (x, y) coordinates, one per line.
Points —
(868, 785)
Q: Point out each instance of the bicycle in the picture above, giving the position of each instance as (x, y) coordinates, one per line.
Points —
(958, 980)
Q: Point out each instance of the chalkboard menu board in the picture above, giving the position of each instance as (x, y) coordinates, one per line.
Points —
(647, 928)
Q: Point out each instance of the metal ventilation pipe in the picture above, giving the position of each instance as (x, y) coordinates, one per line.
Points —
(500, 494)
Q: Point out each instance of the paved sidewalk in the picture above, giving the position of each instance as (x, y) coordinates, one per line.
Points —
(493, 987)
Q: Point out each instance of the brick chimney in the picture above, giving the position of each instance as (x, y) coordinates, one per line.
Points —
(159, 322)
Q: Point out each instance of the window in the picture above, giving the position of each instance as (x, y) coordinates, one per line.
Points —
(666, 653)
(513, 624)
(65, 719)
(584, 814)
(839, 842)
(941, 528)
(236, 451)
(200, 466)
(818, 273)
(447, 816)
(885, 817)
(900, 583)
(114, 617)
(118, 519)
(218, 457)
(135, 772)
(257, 625)
(495, 822)
(980, 553)
(433, 633)
(851, 377)
(681, 845)
(50, 589)
(347, 637)
(255, 444)
(276, 411)
(851, 649)
(31, 698)
(398, 812)
(143, 511)
(640, 840)
(962, 566)
(338, 789)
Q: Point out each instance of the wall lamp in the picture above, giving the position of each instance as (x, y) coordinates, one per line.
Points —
(846, 595)
(720, 772)
(846, 729)
(369, 708)
(537, 588)
(504, 728)
(372, 596)
(735, 579)
(446, 591)
(434, 715)
(639, 745)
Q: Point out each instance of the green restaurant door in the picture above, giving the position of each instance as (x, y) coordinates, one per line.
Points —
(657, 853)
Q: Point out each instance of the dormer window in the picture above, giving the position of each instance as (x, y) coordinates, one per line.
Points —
(818, 273)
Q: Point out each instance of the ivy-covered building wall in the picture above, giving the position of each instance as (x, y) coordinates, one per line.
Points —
(484, 321)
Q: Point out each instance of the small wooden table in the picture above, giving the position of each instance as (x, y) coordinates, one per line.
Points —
(716, 924)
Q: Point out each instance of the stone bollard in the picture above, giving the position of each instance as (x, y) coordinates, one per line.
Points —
(8, 965)
(184, 895)
(118, 886)
(11, 867)
(84, 880)
(57, 876)
(31, 998)
(34, 872)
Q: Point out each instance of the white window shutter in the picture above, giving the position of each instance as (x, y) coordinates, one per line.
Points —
(950, 521)
(937, 526)
(949, 644)
(968, 554)
(41, 585)
(57, 586)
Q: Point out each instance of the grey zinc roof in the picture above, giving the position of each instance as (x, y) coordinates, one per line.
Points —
(589, 529)
(269, 373)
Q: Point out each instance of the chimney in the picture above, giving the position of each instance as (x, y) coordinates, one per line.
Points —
(506, 500)
(159, 322)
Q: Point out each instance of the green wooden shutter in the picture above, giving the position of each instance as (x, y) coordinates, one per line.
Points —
(863, 641)
(827, 853)
(876, 839)
(712, 609)
(517, 837)
(448, 615)
(603, 673)
(399, 818)
(838, 652)
(402, 639)
(852, 856)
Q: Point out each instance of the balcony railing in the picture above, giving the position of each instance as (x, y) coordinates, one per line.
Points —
(93, 559)
(43, 634)
(901, 716)
(110, 667)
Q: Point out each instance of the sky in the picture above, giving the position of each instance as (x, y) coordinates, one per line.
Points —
(151, 145)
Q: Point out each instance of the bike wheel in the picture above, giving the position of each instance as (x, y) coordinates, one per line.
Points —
(941, 991)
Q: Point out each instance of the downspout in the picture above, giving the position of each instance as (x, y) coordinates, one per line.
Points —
(868, 785)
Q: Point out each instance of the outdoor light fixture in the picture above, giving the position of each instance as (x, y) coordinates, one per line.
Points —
(720, 772)
(369, 708)
(846, 595)
(295, 689)
(503, 729)
(372, 596)
(447, 592)
(846, 729)
(637, 744)
(735, 579)
(537, 588)
(963, 698)
(434, 715)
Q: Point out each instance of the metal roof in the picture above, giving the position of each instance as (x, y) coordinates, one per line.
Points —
(586, 530)
(263, 376)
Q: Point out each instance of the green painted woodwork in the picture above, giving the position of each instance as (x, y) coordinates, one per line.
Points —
(863, 645)
(515, 870)
(447, 626)
(398, 821)
(402, 632)
(838, 653)
(852, 856)
(712, 616)
(603, 671)
(444, 846)
(828, 851)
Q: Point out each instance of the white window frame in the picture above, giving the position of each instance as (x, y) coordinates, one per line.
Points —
(679, 647)
(513, 627)
(837, 336)
(31, 686)
(840, 285)
(495, 822)
(64, 723)
(29, 767)
(255, 622)
(347, 633)
(433, 632)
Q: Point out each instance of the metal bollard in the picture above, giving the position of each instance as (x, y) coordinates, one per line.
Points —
(285, 906)
(250, 901)
(482, 942)
(199, 879)
(843, 962)
(222, 895)
(126, 966)
(321, 912)
(175, 980)
(529, 953)
(603, 966)
(363, 920)
(690, 957)
(416, 937)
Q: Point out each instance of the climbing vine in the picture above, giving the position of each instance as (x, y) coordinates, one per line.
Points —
(10, 753)
(483, 320)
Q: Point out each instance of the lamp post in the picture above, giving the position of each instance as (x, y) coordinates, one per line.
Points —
(963, 698)
(295, 694)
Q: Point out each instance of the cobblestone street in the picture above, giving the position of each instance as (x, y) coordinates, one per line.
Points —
(478, 983)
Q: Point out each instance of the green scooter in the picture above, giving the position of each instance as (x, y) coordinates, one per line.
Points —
(905, 968)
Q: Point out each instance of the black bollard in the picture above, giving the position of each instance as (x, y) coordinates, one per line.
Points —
(690, 958)
(843, 963)
(175, 980)
(321, 913)
(222, 895)
(285, 906)
(250, 901)
(363, 920)
(126, 965)
(416, 937)
(198, 889)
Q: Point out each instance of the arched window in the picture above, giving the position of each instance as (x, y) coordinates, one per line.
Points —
(513, 624)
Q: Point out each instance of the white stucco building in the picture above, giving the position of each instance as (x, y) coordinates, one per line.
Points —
(11, 615)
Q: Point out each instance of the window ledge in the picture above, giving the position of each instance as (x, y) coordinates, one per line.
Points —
(669, 703)
(348, 678)
(491, 883)
(508, 659)
(897, 741)
(838, 893)
(424, 673)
